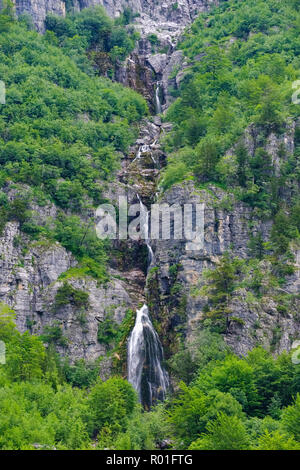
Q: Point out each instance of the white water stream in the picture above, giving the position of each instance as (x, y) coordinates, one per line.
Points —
(145, 357)
(145, 353)
(158, 106)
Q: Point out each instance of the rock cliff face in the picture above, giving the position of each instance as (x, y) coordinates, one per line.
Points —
(29, 282)
(155, 59)
(159, 14)
(174, 287)
(30, 278)
(157, 19)
(39, 9)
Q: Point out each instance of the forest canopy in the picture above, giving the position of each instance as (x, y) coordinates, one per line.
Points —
(63, 128)
(232, 403)
(63, 131)
(243, 61)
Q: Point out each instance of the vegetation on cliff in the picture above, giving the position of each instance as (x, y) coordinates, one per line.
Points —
(244, 59)
(62, 129)
(236, 128)
(226, 403)
(106, 40)
(61, 134)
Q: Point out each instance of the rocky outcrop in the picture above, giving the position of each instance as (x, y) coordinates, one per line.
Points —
(182, 11)
(174, 285)
(165, 19)
(155, 61)
(140, 169)
(39, 9)
(261, 322)
(153, 15)
(145, 71)
(30, 278)
(271, 318)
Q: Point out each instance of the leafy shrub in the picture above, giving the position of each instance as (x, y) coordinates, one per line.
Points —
(67, 294)
(54, 334)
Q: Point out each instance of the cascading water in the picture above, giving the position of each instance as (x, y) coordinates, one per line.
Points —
(144, 215)
(144, 149)
(157, 100)
(145, 357)
(145, 353)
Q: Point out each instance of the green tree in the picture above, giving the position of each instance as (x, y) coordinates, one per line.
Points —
(207, 154)
(276, 441)
(7, 15)
(186, 414)
(225, 433)
(110, 404)
(221, 284)
(25, 357)
(291, 419)
(236, 377)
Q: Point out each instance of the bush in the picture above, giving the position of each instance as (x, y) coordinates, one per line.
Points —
(67, 294)
(111, 403)
(225, 433)
(54, 334)
(61, 128)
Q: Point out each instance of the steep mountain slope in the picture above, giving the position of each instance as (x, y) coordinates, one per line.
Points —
(214, 142)
(33, 269)
(235, 147)
(229, 141)
(177, 14)
(62, 133)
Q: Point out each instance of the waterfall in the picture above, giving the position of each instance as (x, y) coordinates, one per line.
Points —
(142, 149)
(144, 214)
(157, 100)
(145, 353)
(138, 155)
(145, 357)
